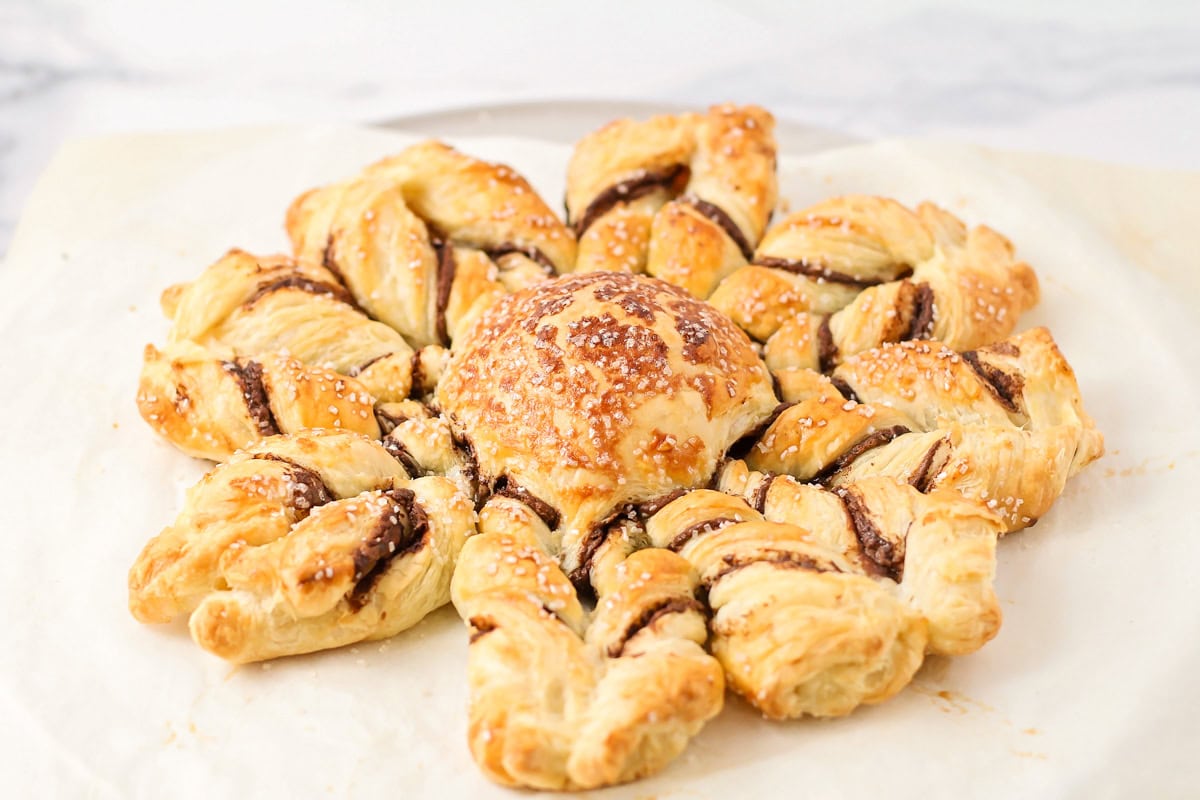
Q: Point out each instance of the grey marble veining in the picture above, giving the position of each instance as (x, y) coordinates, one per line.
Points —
(1107, 81)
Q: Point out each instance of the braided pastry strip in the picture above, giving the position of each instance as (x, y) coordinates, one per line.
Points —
(682, 197)
(211, 407)
(267, 346)
(303, 543)
(556, 703)
(427, 238)
(855, 272)
(1003, 424)
(243, 306)
(824, 601)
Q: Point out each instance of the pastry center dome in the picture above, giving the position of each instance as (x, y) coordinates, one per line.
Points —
(600, 389)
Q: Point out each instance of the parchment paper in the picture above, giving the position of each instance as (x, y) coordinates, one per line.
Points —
(1089, 691)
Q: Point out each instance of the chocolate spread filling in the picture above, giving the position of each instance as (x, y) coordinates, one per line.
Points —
(820, 272)
(922, 318)
(649, 615)
(758, 500)
(304, 284)
(827, 351)
(624, 191)
(722, 220)
(598, 533)
(480, 626)
(868, 442)
(505, 486)
(742, 446)
(844, 388)
(416, 373)
(361, 368)
(401, 453)
(923, 476)
(249, 376)
(882, 556)
(388, 422)
(692, 531)
(446, 267)
(529, 251)
(466, 451)
(1007, 388)
(329, 261)
(308, 490)
(401, 528)
(784, 559)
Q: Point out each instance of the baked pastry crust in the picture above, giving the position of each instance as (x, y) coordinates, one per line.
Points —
(825, 600)
(599, 390)
(683, 197)
(556, 703)
(856, 272)
(1002, 424)
(426, 238)
(303, 543)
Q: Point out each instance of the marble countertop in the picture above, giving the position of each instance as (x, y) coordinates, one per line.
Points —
(1116, 82)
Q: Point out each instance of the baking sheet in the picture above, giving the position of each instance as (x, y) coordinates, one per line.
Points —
(1089, 690)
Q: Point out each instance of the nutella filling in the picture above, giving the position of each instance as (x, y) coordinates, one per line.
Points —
(361, 368)
(480, 626)
(692, 531)
(329, 261)
(742, 446)
(758, 500)
(401, 453)
(304, 284)
(598, 533)
(922, 314)
(651, 614)
(505, 486)
(868, 442)
(402, 527)
(783, 559)
(827, 351)
(446, 267)
(1007, 388)
(883, 557)
(249, 376)
(844, 388)
(529, 251)
(923, 476)
(722, 220)
(644, 183)
(308, 490)
(821, 273)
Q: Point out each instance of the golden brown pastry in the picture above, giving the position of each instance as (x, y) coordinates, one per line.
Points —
(594, 391)
(245, 306)
(425, 239)
(826, 600)
(210, 407)
(1003, 424)
(682, 197)
(302, 543)
(558, 703)
(852, 273)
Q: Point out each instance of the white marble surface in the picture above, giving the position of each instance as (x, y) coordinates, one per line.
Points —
(1112, 81)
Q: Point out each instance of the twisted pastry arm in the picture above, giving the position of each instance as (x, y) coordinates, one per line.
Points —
(211, 407)
(243, 306)
(684, 198)
(559, 704)
(1003, 424)
(302, 543)
(808, 617)
(855, 272)
(426, 239)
